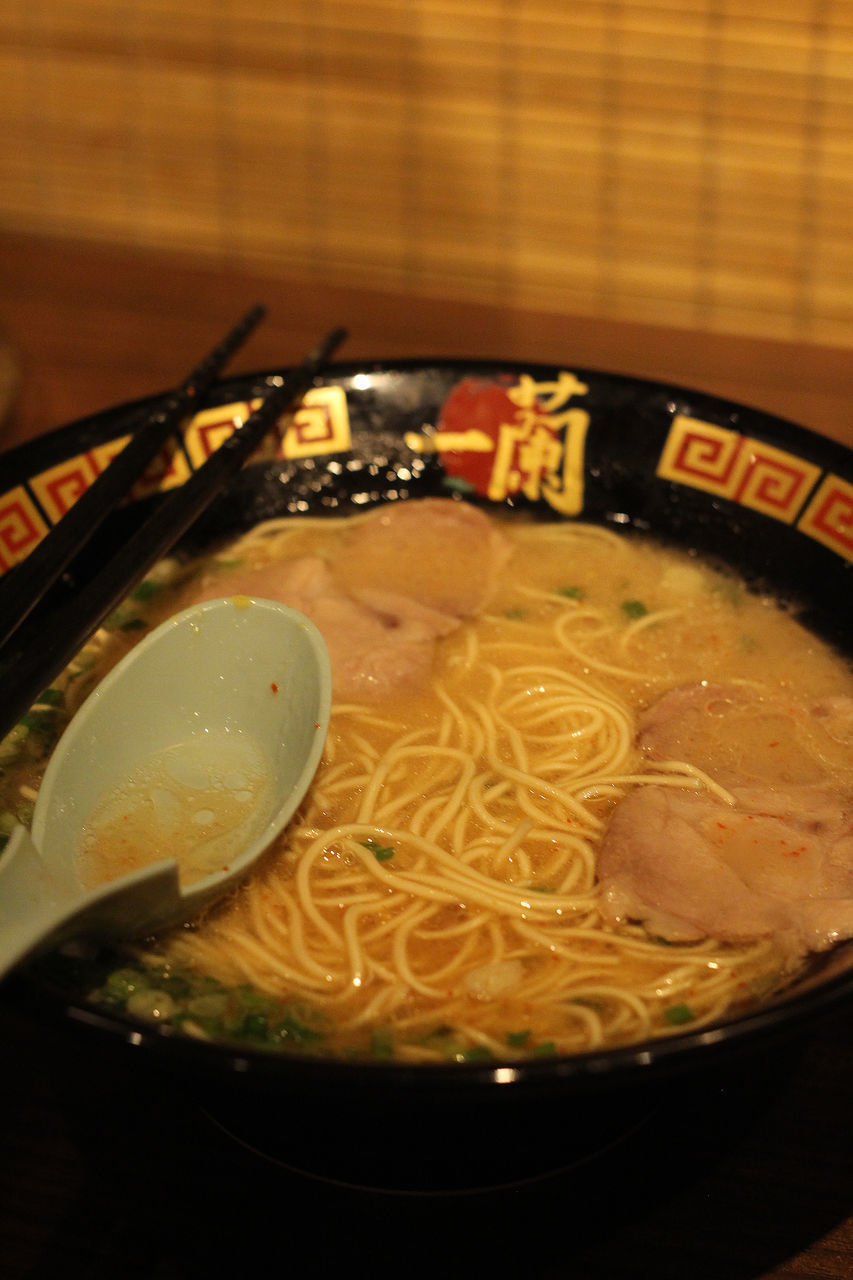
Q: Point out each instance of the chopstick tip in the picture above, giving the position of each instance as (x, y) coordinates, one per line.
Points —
(329, 344)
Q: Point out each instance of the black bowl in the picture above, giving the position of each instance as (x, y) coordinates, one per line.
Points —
(762, 495)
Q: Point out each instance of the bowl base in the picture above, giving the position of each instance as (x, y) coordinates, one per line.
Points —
(459, 1151)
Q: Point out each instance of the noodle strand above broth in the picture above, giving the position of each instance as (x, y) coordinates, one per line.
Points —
(437, 892)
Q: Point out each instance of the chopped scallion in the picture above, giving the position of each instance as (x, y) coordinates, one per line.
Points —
(677, 1014)
(146, 590)
(381, 852)
(634, 609)
(382, 1043)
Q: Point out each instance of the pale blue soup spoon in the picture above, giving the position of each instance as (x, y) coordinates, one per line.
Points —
(176, 774)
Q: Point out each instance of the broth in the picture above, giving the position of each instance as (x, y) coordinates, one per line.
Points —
(199, 802)
(436, 895)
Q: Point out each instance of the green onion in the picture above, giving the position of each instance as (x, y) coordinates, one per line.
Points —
(146, 590)
(381, 852)
(518, 1039)
(477, 1053)
(201, 1005)
(39, 720)
(382, 1043)
(677, 1014)
(252, 1026)
(295, 1028)
(121, 984)
(572, 593)
(634, 608)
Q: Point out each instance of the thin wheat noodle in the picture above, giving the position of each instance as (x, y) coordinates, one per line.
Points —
(441, 873)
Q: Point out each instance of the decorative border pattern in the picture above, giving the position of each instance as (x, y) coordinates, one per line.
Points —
(757, 475)
(29, 511)
(729, 465)
(829, 516)
(22, 526)
(498, 437)
(319, 426)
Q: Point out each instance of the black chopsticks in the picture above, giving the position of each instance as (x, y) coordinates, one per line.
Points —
(30, 660)
(27, 583)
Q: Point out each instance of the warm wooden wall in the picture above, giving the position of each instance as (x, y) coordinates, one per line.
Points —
(682, 161)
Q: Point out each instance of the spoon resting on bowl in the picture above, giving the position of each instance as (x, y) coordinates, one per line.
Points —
(175, 775)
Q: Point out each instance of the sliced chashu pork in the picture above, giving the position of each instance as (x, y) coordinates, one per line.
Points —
(404, 577)
(778, 861)
(740, 735)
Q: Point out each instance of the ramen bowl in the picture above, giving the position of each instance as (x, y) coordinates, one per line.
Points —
(765, 497)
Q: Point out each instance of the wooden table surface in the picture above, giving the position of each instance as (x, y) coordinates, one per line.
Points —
(746, 1175)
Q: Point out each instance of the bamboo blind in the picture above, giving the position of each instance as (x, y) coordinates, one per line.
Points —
(681, 161)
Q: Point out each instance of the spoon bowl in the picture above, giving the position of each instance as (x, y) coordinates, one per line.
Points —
(176, 774)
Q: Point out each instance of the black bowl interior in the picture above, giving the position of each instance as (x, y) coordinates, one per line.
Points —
(755, 492)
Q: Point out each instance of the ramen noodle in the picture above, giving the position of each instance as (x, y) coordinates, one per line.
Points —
(436, 896)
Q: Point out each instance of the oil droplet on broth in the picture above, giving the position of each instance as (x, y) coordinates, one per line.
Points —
(200, 802)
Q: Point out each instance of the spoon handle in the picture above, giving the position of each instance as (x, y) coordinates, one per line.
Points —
(39, 907)
(33, 898)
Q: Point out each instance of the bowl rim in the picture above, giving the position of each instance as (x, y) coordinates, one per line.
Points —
(673, 1052)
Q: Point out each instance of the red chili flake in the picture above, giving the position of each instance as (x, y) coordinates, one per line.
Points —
(274, 687)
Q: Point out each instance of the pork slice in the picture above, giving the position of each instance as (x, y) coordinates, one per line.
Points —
(406, 577)
(835, 714)
(443, 554)
(689, 866)
(743, 736)
(779, 860)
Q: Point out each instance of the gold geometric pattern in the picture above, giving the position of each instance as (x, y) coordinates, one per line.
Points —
(210, 428)
(167, 470)
(776, 482)
(744, 470)
(829, 516)
(61, 485)
(319, 426)
(21, 526)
